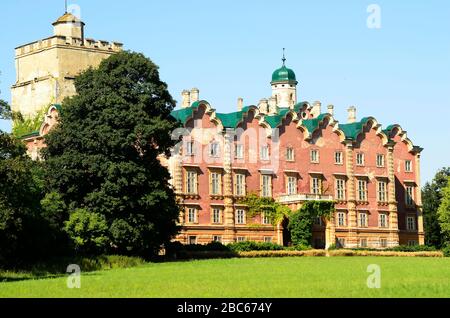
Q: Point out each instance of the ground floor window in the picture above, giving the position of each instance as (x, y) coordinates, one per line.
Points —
(412, 243)
(340, 242)
(241, 239)
(217, 239)
(192, 240)
(363, 243)
(268, 239)
(383, 243)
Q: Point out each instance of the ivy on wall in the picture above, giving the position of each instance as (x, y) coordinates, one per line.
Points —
(24, 126)
(301, 222)
(273, 210)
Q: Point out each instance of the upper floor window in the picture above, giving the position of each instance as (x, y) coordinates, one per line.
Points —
(266, 185)
(239, 188)
(291, 185)
(338, 158)
(383, 220)
(409, 195)
(240, 217)
(363, 219)
(382, 191)
(214, 149)
(315, 156)
(265, 153)
(239, 151)
(341, 219)
(265, 219)
(190, 150)
(362, 190)
(192, 215)
(290, 154)
(360, 159)
(340, 189)
(216, 183)
(380, 161)
(316, 185)
(408, 166)
(191, 182)
(411, 223)
(217, 216)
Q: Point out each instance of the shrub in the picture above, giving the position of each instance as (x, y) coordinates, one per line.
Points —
(446, 251)
(414, 248)
(254, 246)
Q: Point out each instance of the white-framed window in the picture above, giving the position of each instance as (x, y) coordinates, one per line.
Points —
(383, 220)
(240, 217)
(217, 238)
(380, 161)
(239, 188)
(290, 154)
(264, 153)
(341, 219)
(360, 159)
(363, 243)
(192, 240)
(363, 219)
(383, 243)
(291, 185)
(190, 148)
(214, 149)
(315, 156)
(216, 183)
(265, 219)
(410, 223)
(239, 151)
(216, 216)
(192, 215)
(409, 195)
(318, 221)
(340, 189)
(408, 166)
(266, 186)
(338, 158)
(362, 190)
(191, 182)
(316, 185)
(240, 239)
(382, 191)
(268, 239)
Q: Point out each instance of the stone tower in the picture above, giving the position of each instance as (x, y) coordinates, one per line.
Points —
(284, 87)
(46, 69)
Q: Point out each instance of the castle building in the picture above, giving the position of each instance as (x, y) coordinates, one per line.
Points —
(46, 69)
(283, 149)
(294, 152)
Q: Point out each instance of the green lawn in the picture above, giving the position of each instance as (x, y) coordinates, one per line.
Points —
(268, 277)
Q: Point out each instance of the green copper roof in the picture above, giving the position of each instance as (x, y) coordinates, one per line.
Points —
(283, 74)
(275, 120)
(352, 130)
(313, 124)
(183, 114)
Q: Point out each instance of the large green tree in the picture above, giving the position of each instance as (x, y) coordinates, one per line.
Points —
(103, 155)
(444, 214)
(431, 198)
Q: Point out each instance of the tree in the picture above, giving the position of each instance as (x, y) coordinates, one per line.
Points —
(103, 154)
(444, 214)
(88, 231)
(431, 197)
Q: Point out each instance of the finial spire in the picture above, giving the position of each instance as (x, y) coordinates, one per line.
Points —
(284, 57)
(65, 7)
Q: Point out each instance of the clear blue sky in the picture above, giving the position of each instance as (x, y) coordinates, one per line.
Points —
(399, 73)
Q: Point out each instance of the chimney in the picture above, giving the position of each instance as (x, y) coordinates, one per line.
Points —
(186, 99)
(195, 95)
(240, 104)
(352, 115)
(316, 109)
(263, 106)
(331, 110)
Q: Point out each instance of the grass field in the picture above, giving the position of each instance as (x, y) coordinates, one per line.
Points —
(335, 277)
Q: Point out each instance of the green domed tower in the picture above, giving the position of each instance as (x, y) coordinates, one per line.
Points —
(284, 86)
